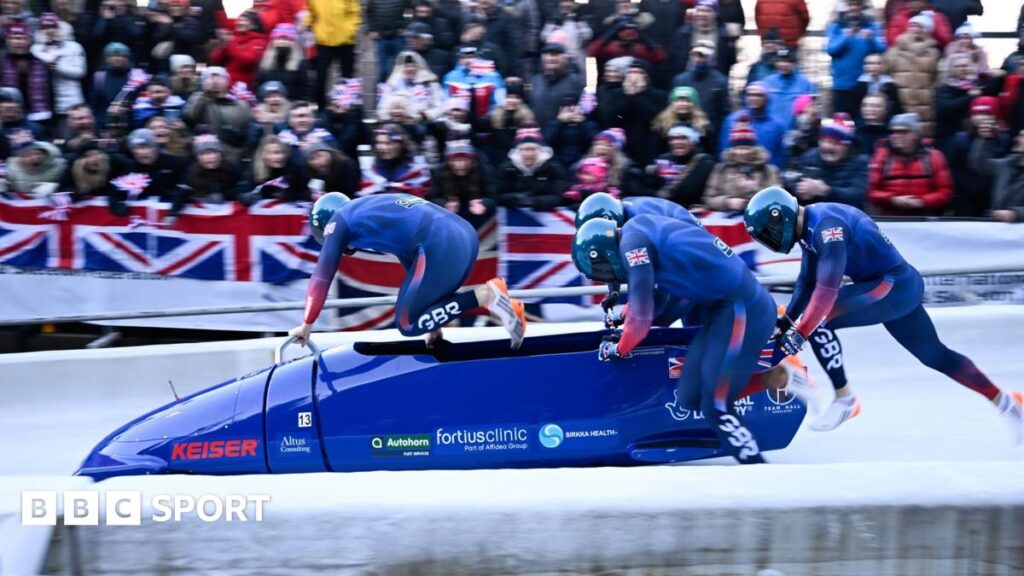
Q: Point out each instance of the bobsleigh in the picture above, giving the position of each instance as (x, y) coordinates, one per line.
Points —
(399, 406)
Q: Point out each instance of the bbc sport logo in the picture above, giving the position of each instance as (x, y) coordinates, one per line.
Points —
(125, 507)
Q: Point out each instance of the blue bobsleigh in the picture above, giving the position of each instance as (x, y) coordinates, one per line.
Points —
(399, 406)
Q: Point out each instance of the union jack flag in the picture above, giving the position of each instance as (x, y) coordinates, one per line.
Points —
(349, 92)
(832, 234)
(132, 184)
(415, 180)
(588, 101)
(637, 257)
(536, 252)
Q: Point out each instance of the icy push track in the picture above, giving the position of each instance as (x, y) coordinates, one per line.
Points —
(924, 481)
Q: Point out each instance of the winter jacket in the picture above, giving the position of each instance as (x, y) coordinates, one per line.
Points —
(486, 90)
(241, 56)
(789, 16)
(13, 132)
(334, 22)
(71, 66)
(952, 106)
(610, 45)
(31, 77)
(165, 174)
(847, 179)
(127, 29)
(274, 12)
(868, 136)
(347, 129)
(578, 35)
(668, 17)
(784, 92)
(143, 109)
(724, 182)
(761, 69)
(539, 187)
(21, 179)
(106, 86)
(1007, 174)
(634, 115)
(942, 33)
(387, 17)
(226, 117)
(526, 21)
(440, 61)
(570, 141)
(883, 84)
(957, 11)
(445, 186)
(224, 184)
(548, 92)
(501, 31)
(914, 66)
(713, 88)
(344, 177)
(972, 189)
(770, 134)
(680, 179)
(185, 32)
(295, 77)
(848, 51)
(923, 174)
(682, 43)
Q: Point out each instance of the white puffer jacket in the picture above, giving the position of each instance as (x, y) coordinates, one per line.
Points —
(70, 60)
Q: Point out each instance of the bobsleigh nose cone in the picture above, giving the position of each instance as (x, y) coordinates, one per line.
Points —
(116, 459)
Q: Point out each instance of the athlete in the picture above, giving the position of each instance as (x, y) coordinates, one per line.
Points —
(687, 262)
(437, 249)
(839, 240)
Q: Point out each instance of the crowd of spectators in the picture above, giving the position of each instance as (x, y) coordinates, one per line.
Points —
(482, 103)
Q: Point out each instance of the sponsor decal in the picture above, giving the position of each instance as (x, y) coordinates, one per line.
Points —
(675, 367)
(780, 402)
(410, 201)
(401, 445)
(214, 449)
(743, 405)
(678, 412)
(638, 257)
(294, 445)
(305, 419)
(330, 229)
(551, 435)
(480, 439)
(834, 234)
(724, 247)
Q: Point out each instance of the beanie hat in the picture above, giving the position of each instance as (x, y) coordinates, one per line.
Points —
(967, 29)
(26, 145)
(206, 143)
(910, 120)
(529, 135)
(211, 71)
(615, 136)
(683, 131)
(114, 49)
(621, 63)
(285, 31)
(317, 146)
(713, 4)
(802, 103)
(687, 92)
(759, 86)
(742, 133)
(839, 127)
(985, 105)
(596, 169)
(142, 137)
(179, 60)
(17, 27)
(271, 87)
(13, 95)
(460, 147)
(419, 29)
(49, 20)
(925, 20)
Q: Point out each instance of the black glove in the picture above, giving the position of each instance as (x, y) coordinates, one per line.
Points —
(782, 325)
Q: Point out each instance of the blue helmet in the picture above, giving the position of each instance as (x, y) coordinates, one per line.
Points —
(771, 219)
(601, 205)
(595, 251)
(322, 212)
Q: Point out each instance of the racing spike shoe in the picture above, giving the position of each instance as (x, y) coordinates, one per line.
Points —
(799, 384)
(839, 411)
(510, 311)
(1011, 407)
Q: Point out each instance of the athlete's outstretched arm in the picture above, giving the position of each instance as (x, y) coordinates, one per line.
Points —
(641, 291)
(336, 239)
(830, 243)
(803, 288)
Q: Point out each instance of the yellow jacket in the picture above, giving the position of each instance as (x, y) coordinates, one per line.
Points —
(334, 22)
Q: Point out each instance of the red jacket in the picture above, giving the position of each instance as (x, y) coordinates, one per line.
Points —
(924, 174)
(241, 56)
(789, 16)
(901, 21)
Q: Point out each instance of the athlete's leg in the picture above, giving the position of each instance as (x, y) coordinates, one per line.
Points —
(428, 299)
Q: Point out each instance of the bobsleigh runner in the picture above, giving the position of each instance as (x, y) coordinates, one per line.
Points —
(399, 406)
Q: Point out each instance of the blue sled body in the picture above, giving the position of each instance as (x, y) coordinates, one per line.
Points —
(398, 406)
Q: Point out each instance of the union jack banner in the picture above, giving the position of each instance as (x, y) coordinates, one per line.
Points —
(415, 180)
(536, 252)
(267, 242)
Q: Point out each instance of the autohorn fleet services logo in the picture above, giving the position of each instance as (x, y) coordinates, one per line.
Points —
(551, 435)
(401, 445)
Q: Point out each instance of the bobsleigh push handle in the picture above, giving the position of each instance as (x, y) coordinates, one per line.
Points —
(309, 344)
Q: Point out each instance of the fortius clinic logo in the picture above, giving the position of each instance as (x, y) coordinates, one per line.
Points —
(126, 507)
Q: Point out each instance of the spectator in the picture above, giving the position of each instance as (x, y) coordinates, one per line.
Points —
(475, 36)
(875, 81)
(633, 107)
(706, 29)
(20, 69)
(464, 182)
(938, 28)
(666, 17)
(834, 171)
(89, 175)
(768, 131)
(555, 82)
(623, 174)
(964, 43)
(79, 130)
(804, 135)
(508, 120)
(158, 100)
(108, 82)
(36, 168)
(785, 86)
(907, 177)
(270, 115)
(531, 177)
(953, 98)
(613, 73)
(476, 79)
(743, 171)
(501, 32)
(591, 178)
(241, 52)
(385, 24)
(344, 118)
(957, 11)
(395, 167)
(171, 136)
(284, 63)
(419, 39)
(713, 90)
(913, 61)
(625, 38)
(442, 30)
(1012, 63)
(790, 17)
(730, 14)
(184, 81)
(571, 133)
(682, 173)
(211, 177)
(526, 22)
(873, 124)
(335, 24)
(145, 157)
(851, 39)
(66, 60)
(227, 118)
(1008, 186)
(972, 189)
(335, 171)
(771, 43)
(684, 109)
(413, 79)
(456, 124)
(576, 32)
(175, 31)
(274, 175)
(398, 109)
(116, 24)
(302, 130)
(273, 13)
